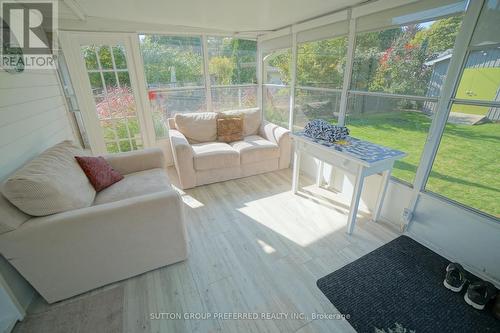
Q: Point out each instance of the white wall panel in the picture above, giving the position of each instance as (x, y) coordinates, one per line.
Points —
(32, 118)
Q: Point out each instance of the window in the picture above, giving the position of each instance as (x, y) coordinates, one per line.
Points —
(115, 104)
(173, 67)
(320, 75)
(276, 86)
(233, 72)
(175, 75)
(396, 80)
(468, 160)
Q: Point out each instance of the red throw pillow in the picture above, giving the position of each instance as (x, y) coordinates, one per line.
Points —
(98, 171)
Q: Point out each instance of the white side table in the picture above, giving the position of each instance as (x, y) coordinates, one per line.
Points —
(359, 157)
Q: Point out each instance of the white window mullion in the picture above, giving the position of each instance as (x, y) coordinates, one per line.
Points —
(101, 74)
(293, 78)
(351, 41)
(208, 88)
(146, 114)
(114, 67)
(260, 75)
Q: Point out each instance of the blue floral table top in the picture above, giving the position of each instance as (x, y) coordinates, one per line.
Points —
(360, 149)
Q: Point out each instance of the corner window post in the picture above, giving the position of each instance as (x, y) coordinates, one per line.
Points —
(293, 79)
(348, 68)
(260, 74)
(206, 72)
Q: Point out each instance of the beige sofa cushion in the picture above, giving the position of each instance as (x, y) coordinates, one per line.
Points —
(254, 148)
(252, 119)
(198, 126)
(213, 155)
(133, 185)
(51, 183)
(10, 217)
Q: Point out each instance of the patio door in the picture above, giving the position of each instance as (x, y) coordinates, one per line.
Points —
(105, 77)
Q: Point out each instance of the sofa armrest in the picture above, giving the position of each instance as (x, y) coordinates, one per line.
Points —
(183, 158)
(280, 136)
(65, 254)
(137, 160)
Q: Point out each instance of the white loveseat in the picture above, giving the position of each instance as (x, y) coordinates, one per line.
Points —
(199, 159)
(69, 239)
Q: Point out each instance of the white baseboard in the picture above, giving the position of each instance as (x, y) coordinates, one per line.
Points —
(474, 270)
(7, 325)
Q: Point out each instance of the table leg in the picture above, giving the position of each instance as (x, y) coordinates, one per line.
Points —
(296, 170)
(356, 196)
(319, 176)
(386, 175)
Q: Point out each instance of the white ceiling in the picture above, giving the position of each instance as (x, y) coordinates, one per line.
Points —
(226, 15)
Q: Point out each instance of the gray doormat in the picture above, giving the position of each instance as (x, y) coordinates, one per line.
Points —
(102, 312)
(402, 283)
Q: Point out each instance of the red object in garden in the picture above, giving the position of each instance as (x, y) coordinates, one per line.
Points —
(119, 103)
(152, 95)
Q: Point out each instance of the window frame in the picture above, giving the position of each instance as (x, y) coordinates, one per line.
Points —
(348, 91)
(263, 54)
(207, 84)
(337, 90)
(444, 101)
(453, 100)
(213, 87)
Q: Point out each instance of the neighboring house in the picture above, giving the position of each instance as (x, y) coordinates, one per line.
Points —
(480, 81)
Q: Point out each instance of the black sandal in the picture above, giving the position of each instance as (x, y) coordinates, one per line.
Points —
(455, 277)
(479, 294)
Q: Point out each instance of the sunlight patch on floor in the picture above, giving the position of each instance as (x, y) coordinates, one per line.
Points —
(266, 247)
(192, 202)
(298, 209)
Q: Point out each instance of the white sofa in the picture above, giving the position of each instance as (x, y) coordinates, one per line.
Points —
(199, 159)
(131, 227)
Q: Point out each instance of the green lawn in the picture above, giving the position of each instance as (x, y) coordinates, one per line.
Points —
(477, 83)
(470, 109)
(467, 168)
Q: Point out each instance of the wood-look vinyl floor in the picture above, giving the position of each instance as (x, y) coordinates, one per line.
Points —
(255, 248)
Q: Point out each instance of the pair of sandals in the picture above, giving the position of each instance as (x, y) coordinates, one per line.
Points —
(478, 294)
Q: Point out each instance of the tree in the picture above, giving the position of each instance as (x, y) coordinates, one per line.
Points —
(221, 69)
(242, 54)
(321, 63)
(380, 40)
(164, 54)
(401, 68)
(369, 48)
(441, 34)
(281, 60)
